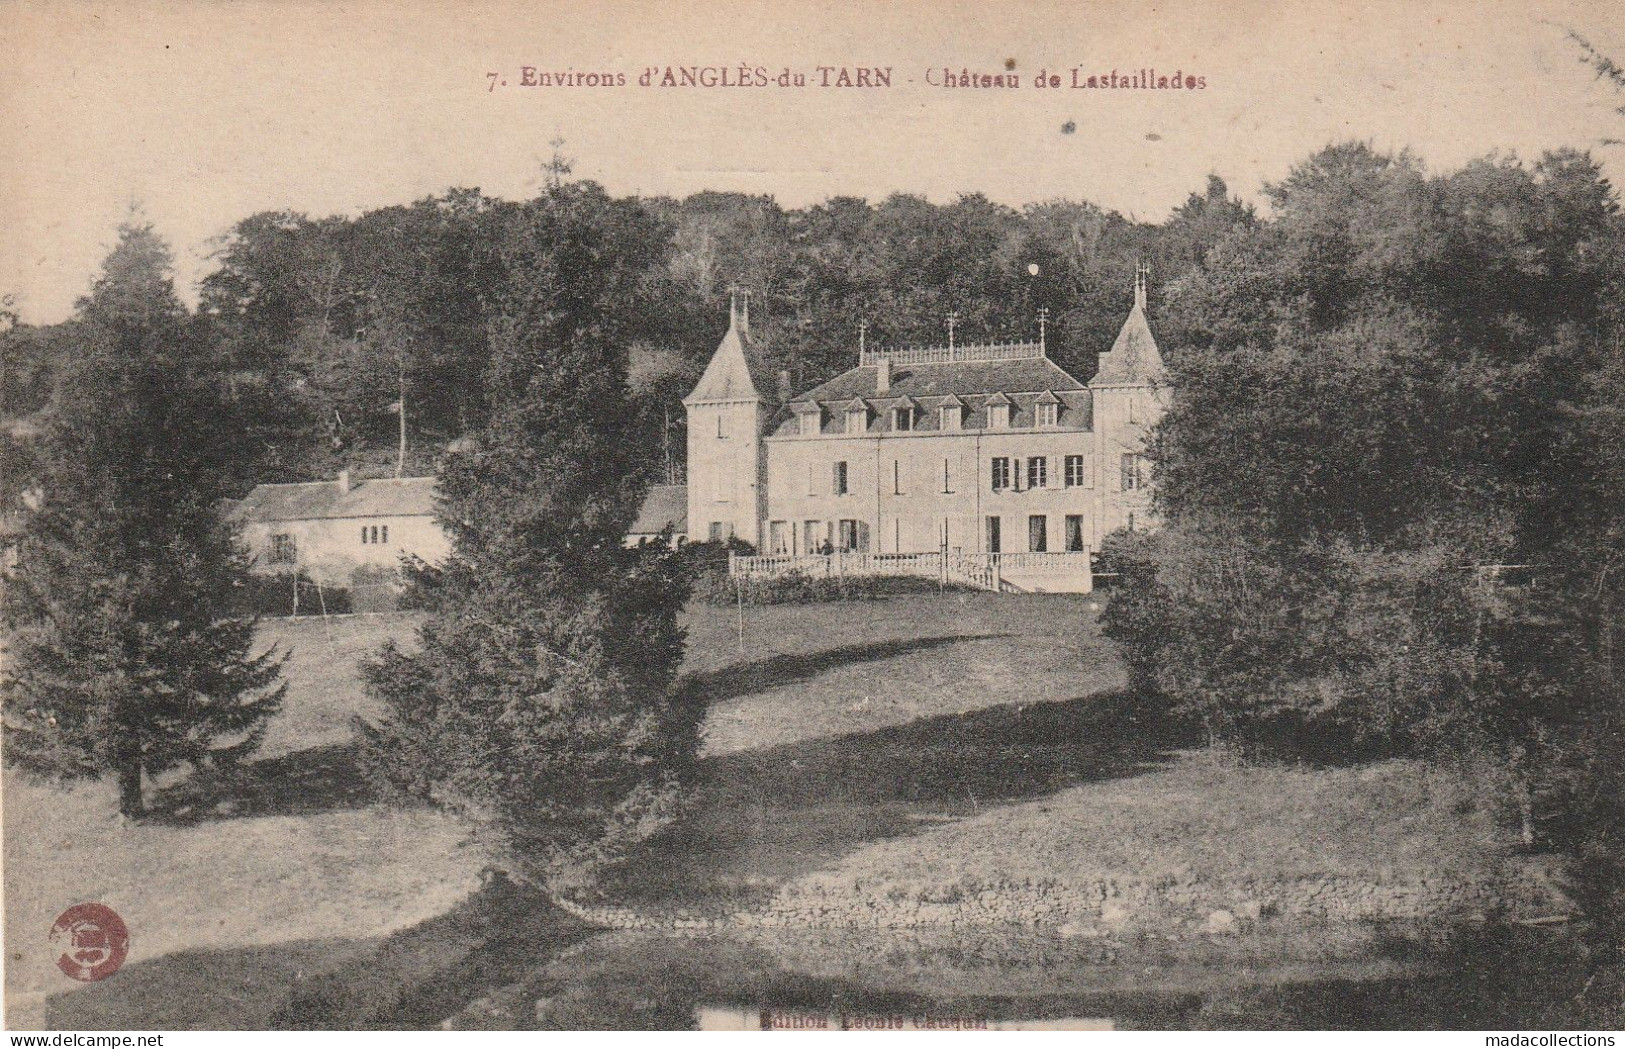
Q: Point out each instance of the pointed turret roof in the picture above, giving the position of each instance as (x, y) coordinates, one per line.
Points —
(1134, 359)
(736, 372)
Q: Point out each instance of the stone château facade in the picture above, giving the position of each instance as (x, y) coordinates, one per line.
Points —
(988, 448)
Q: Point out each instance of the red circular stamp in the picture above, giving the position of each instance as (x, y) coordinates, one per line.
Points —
(94, 939)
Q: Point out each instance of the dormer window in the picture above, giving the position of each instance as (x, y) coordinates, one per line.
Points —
(902, 419)
(808, 420)
(1046, 414)
(857, 420)
(998, 416)
(952, 416)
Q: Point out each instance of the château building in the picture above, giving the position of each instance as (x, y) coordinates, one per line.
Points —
(987, 449)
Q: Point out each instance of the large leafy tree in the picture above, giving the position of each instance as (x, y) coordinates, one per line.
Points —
(121, 662)
(540, 700)
(1391, 392)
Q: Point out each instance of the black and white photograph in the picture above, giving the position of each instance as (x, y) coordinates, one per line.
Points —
(766, 515)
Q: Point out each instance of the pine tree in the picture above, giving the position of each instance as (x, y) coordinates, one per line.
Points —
(121, 662)
(541, 701)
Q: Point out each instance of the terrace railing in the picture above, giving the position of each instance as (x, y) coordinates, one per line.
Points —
(983, 571)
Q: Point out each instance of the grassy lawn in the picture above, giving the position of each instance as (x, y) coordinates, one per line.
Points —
(923, 740)
(291, 854)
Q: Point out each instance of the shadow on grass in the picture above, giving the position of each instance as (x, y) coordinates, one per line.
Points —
(408, 980)
(306, 782)
(744, 679)
(765, 815)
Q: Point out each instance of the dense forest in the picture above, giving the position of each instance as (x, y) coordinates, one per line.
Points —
(321, 327)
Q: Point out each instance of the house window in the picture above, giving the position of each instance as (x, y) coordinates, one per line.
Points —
(952, 415)
(1133, 471)
(839, 486)
(363, 535)
(812, 537)
(720, 530)
(992, 535)
(998, 417)
(1001, 473)
(386, 534)
(812, 478)
(722, 433)
(897, 477)
(1037, 472)
(1074, 471)
(849, 535)
(778, 538)
(1038, 533)
(284, 551)
(947, 477)
(1046, 414)
(857, 420)
(1074, 533)
(374, 531)
(902, 419)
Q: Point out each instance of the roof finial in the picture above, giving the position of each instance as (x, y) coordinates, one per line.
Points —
(744, 316)
(953, 318)
(1142, 270)
(1043, 320)
(733, 307)
(863, 331)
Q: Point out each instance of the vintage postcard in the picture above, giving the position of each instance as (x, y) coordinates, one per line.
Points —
(910, 516)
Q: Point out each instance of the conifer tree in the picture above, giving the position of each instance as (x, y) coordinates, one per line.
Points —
(121, 663)
(540, 701)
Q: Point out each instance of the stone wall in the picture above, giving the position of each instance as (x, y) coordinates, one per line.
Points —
(1093, 906)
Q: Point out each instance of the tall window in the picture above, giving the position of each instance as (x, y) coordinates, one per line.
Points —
(1038, 534)
(1001, 472)
(993, 539)
(284, 551)
(386, 534)
(1133, 471)
(849, 536)
(952, 415)
(902, 419)
(839, 480)
(778, 538)
(1074, 533)
(1074, 472)
(722, 432)
(947, 477)
(897, 477)
(812, 537)
(812, 477)
(1037, 471)
(1046, 414)
(998, 417)
(721, 530)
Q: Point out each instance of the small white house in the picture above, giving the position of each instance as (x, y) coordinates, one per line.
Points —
(329, 529)
(665, 507)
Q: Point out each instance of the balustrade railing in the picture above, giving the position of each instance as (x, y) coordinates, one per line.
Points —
(985, 571)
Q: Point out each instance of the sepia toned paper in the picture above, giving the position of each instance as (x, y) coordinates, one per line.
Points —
(914, 811)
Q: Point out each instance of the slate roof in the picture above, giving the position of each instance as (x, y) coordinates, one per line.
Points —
(666, 504)
(1022, 381)
(736, 371)
(322, 500)
(1134, 359)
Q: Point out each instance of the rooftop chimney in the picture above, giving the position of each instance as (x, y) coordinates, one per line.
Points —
(344, 481)
(882, 374)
